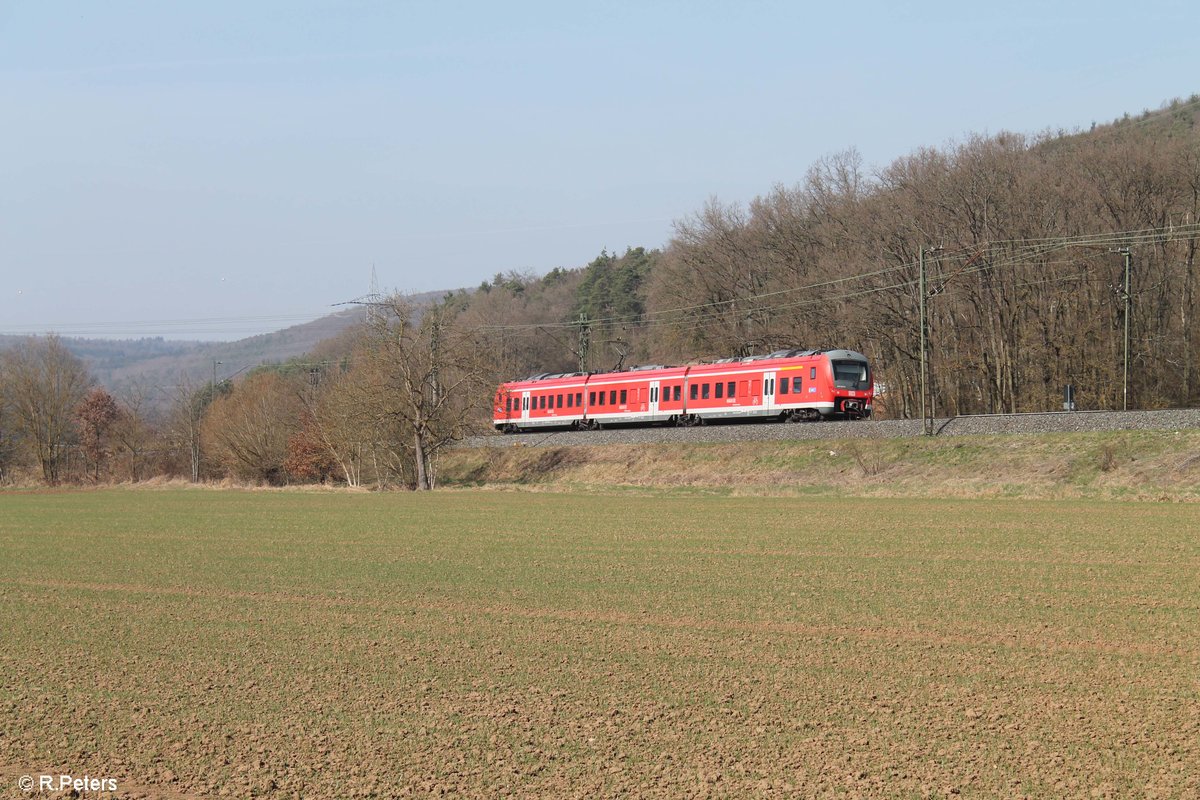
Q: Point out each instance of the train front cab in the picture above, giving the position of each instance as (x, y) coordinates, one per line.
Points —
(851, 382)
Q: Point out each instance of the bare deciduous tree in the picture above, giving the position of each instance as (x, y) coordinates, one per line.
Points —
(95, 417)
(134, 434)
(341, 425)
(44, 383)
(247, 430)
(424, 378)
(185, 421)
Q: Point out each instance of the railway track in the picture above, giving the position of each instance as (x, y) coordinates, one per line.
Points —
(982, 424)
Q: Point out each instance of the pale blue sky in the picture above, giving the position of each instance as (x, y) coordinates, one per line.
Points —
(249, 162)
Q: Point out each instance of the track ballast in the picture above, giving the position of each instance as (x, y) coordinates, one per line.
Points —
(983, 424)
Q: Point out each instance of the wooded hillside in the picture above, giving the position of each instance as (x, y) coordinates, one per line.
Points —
(1024, 282)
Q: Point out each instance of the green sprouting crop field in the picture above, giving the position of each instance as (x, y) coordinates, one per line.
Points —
(224, 643)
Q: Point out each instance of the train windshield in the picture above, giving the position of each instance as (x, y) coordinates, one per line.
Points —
(851, 375)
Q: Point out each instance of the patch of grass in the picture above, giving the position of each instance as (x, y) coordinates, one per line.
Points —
(648, 642)
(1148, 464)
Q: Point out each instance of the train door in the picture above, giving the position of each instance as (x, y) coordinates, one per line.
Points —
(768, 394)
(653, 406)
(524, 406)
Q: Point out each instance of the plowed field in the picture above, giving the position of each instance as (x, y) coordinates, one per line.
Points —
(204, 643)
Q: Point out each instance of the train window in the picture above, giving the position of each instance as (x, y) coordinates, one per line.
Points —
(797, 384)
(579, 399)
(623, 395)
(676, 394)
(720, 390)
(560, 405)
(592, 398)
(542, 402)
(612, 397)
(695, 392)
(812, 373)
(850, 375)
(784, 385)
(570, 400)
(729, 387)
(704, 391)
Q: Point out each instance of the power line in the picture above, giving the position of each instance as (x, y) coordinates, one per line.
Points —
(1015, 251)
(1035, 248)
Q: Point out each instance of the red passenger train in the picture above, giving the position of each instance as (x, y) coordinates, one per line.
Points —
(786, 385)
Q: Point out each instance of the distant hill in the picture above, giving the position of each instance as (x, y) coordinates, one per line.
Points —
(156, 366)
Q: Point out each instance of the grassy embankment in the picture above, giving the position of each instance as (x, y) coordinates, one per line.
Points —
(334, 645)
(1147, 465)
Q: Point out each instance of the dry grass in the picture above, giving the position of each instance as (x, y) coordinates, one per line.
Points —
(1162, 465)
(533, 644)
